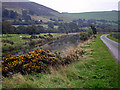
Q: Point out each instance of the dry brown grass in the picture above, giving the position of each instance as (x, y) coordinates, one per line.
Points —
(72, 50)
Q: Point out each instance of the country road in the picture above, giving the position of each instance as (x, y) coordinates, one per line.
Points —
(114, 47)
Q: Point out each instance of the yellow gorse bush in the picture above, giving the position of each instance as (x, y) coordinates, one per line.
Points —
(35, 61)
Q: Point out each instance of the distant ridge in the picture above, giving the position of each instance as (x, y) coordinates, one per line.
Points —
(106, 15)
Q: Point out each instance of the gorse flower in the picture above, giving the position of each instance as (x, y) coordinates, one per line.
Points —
(35, 61)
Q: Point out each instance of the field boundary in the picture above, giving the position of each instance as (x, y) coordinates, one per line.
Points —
(114, 39)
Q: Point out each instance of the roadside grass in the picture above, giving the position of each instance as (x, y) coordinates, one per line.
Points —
(96, 69)
(114, 39)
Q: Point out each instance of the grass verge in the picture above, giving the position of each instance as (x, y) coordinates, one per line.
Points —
(114, 39)
(96, 69)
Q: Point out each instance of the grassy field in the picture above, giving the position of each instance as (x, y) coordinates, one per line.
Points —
(44, 25)
(18, 42)
(96, 69)
(115, 39)
(108, 15)
(22, 44)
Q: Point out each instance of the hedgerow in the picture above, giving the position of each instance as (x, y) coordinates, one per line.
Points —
(36, 61)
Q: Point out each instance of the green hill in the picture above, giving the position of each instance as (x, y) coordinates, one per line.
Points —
(106, 15)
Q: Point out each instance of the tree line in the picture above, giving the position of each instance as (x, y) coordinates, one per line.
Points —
(8, 28)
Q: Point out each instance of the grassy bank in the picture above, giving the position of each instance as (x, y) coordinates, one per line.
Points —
(114, 39)
(96, 69)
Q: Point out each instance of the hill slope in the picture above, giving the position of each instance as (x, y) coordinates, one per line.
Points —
(106, 15)
(36, 8)
(37, 11)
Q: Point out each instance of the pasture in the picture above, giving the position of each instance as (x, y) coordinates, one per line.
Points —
(19, 42)
(108, 15)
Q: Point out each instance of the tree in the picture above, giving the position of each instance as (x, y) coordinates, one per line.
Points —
(7, 27)
(64, 28)
(40, 29)
(83, 36)
(9, 14)
(25, 16)
(93, 29)
(90, 32)
(13, 14)
(20, 30)
(31, 12)
(50, 25)
(5, 13)
(73, 27)
(24, 13)
(31, 29)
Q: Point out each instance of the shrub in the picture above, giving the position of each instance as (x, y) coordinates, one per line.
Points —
(90, 32)
(41, 37)
(8, 41)
(11, 48)
(35, 61)
(5, 48)
(32, 43)
(33, 37)
(93, 29)
(26, 38)
(70, 58)
(83, 36)
(8, 48)
(48, 39)
(50, 35)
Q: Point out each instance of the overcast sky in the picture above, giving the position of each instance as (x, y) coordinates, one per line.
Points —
(72, 6)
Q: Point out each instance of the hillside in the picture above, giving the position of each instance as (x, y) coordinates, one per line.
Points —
(36, 8)
(36, 11)
(106, 15)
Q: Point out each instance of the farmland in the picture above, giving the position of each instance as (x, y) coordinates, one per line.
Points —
(115, 37)
(44, 25)
(90, 71)
(108, 15)
(22, 41)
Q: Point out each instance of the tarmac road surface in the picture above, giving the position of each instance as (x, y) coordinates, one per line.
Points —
(114, 47)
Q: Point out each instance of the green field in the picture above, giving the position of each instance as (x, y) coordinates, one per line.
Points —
(113, 38)
(23, 44)
(18, 42)
(44, 25)
(96, 69)
(107, 15)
